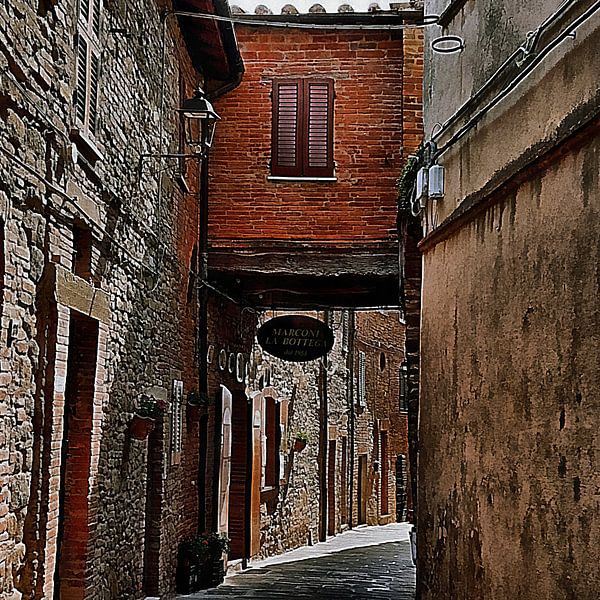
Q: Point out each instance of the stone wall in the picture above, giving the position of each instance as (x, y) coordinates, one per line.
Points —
(294, 514)
(137, 227)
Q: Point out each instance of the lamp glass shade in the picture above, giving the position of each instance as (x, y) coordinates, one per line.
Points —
(200, 121)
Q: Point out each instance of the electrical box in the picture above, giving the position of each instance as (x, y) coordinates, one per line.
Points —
(421, 194)
(436, 181)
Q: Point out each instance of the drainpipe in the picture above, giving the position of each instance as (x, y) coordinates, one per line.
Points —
(322, 458)
(234, 58)
(203, 322)
(351, 415)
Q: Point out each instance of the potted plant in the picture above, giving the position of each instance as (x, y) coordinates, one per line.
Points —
(300, 441)
(149, 409)
(195, 402)
(200, 562)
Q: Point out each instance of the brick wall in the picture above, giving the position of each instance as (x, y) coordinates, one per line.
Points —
(368, 71)
(381, 336)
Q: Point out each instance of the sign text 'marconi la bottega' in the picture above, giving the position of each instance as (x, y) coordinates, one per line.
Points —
(295, 338)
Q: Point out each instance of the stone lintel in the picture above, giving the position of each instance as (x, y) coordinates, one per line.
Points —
(76, 293)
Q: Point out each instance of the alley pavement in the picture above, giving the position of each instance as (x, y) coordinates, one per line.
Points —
(366, 563)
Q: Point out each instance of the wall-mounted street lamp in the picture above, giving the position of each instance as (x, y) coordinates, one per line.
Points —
(200, 122)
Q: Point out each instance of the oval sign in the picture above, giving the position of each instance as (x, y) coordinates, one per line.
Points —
(295, 338)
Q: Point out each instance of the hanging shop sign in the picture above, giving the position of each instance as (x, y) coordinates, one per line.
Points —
(295, 338)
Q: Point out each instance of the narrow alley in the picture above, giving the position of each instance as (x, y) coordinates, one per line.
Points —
(282, 283)
(367, 562)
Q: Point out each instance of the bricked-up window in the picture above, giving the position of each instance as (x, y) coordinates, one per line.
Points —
(302, 128)
(88, 65)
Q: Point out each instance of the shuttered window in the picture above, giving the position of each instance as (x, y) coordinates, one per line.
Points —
(88, 66)
(362, 379)
(302, 128)
(176, 422)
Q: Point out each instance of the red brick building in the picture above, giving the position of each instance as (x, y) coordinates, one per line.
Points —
(381, 405)
(303, 197)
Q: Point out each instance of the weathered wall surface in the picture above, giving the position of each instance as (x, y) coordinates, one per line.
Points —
(510, 395)
(367, 70)
(138, 275)
(507, 484)
(492, 31)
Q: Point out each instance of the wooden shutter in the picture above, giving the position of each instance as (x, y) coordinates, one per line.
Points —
(95, 20)
(318, 128)
(286, 160)
(94, 75)
(225, 470)
(88, 65)
(81, 89)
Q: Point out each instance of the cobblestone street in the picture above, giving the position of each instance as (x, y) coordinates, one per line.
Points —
(368, 563)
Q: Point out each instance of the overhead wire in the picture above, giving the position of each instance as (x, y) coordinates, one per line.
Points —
(514, 83)
(426, 21)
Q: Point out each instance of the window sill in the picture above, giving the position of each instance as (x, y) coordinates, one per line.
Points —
(277, 178)
(85, 146)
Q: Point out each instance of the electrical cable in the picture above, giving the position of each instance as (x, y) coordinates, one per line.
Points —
(492, 79)
(528, 69)
(63, 194)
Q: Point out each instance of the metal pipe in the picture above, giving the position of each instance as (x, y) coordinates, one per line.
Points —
(351, 410)
(322, 457)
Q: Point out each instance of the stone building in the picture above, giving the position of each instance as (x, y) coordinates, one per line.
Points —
(99, 302)
(508, 478)
(281, 495)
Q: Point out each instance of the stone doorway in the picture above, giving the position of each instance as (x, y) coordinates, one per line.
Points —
(73, 519)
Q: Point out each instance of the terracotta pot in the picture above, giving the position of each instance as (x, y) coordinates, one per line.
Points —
(140, 427)
(299, 445)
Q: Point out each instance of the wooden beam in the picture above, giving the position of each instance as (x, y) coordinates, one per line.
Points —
(305, 262)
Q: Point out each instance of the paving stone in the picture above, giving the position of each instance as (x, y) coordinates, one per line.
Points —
(381, 570)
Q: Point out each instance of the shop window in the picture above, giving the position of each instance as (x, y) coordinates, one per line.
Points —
(302, 138)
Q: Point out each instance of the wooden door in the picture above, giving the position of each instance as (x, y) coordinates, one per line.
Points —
(225, 470)
(239, 476)
(385, 474)
(362, 489)
(331, 513)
